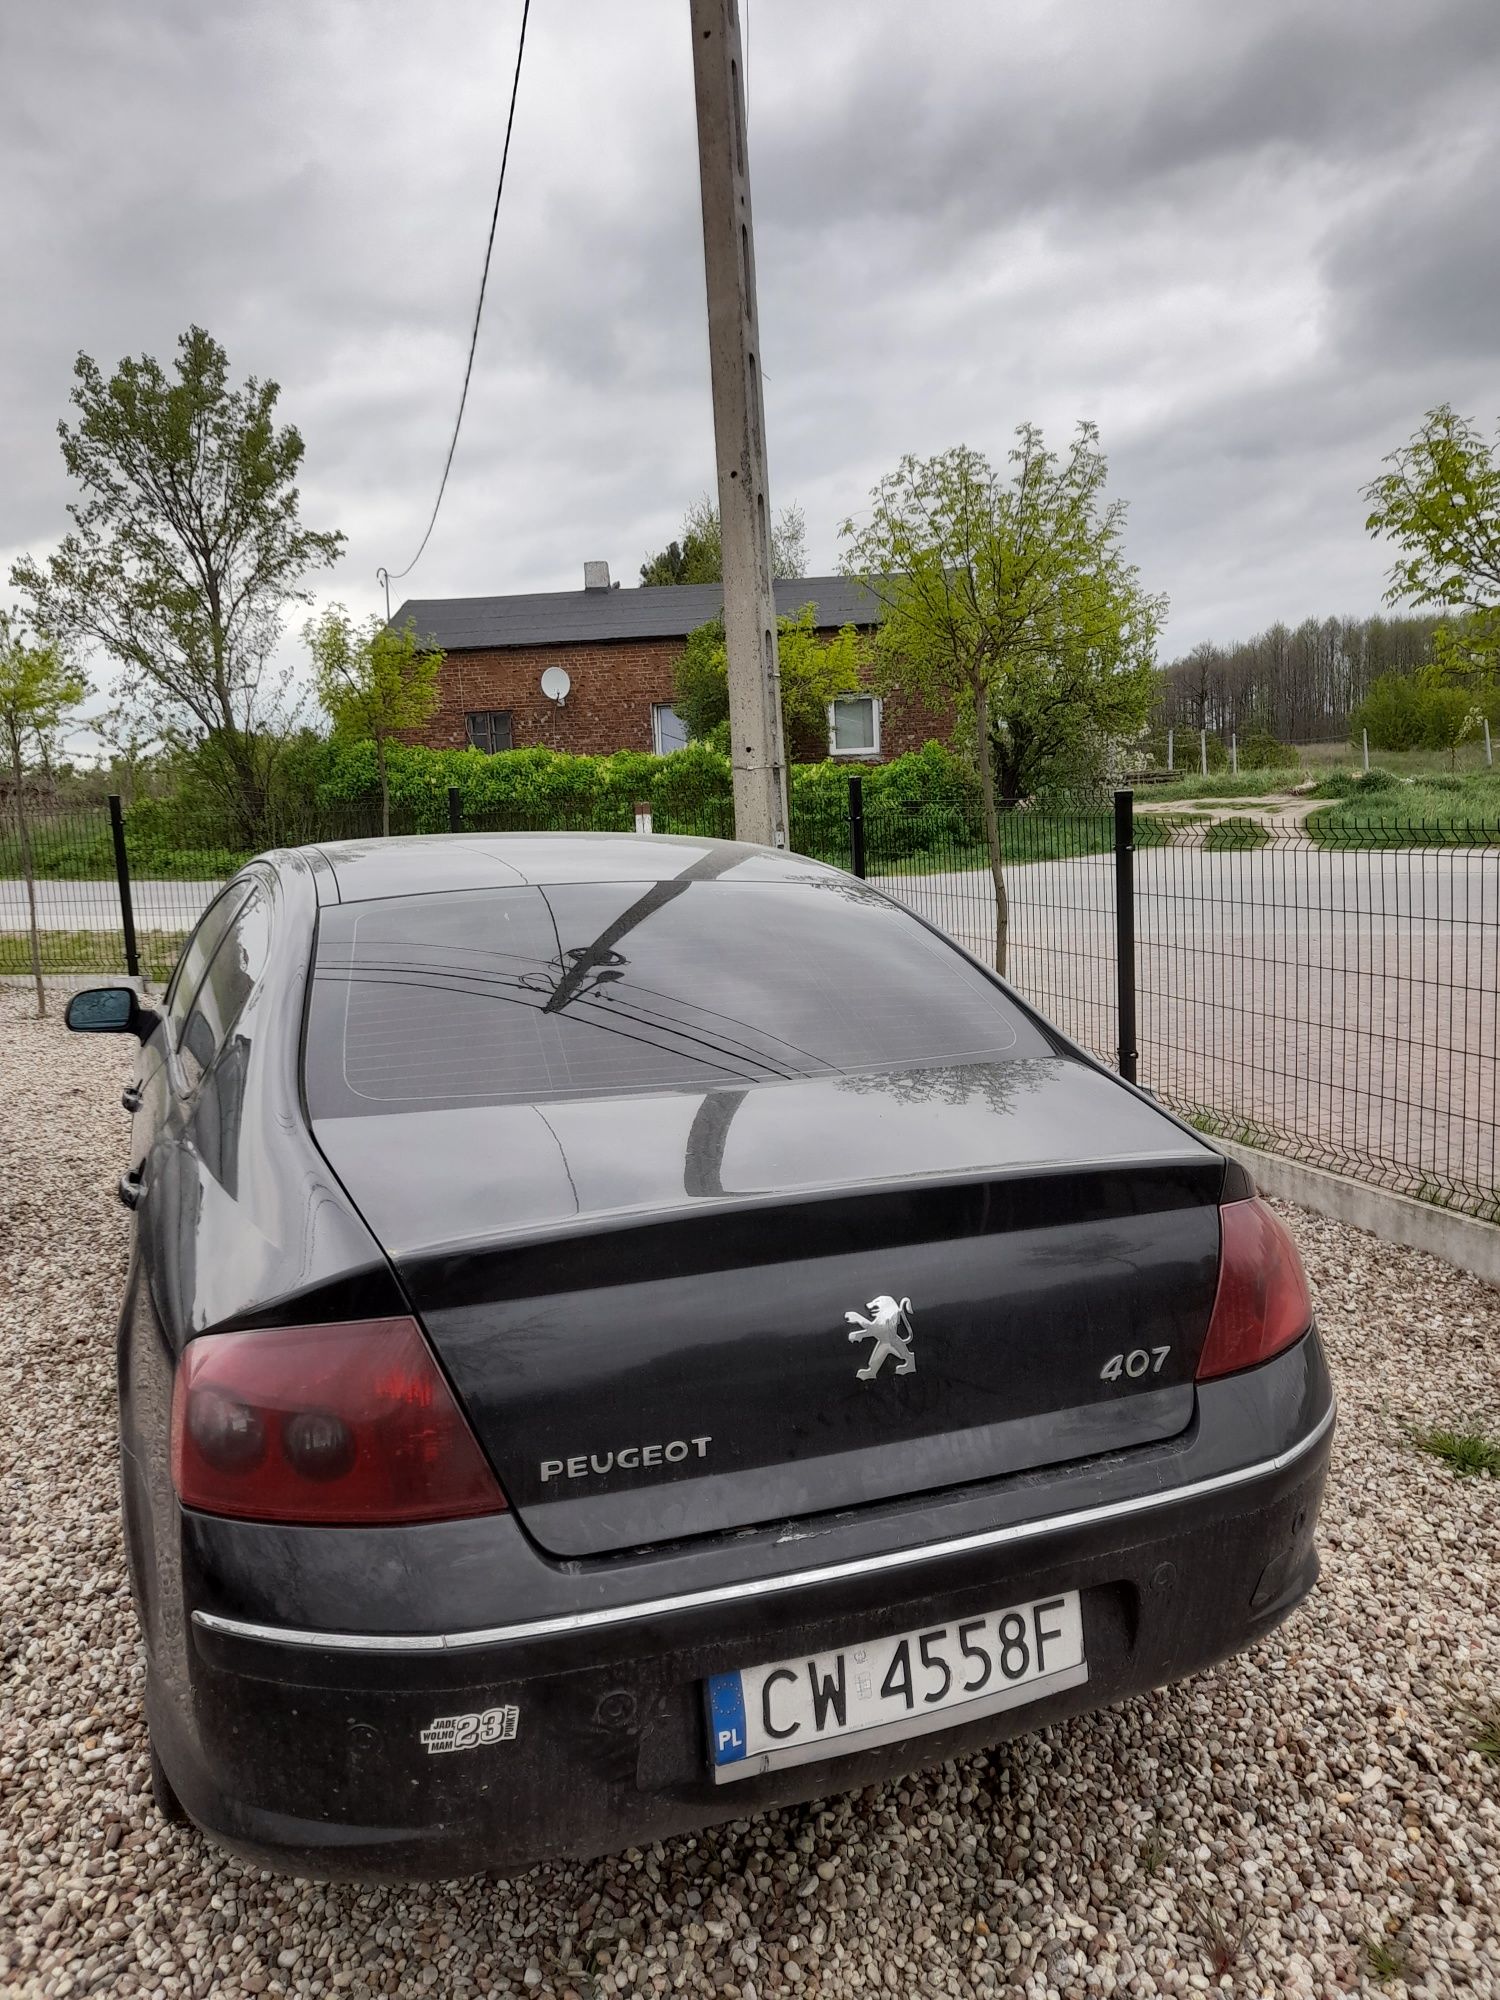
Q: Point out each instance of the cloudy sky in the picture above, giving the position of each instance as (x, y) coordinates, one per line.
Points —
(1253, 243)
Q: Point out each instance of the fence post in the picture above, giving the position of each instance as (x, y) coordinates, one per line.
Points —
(122, 876)
(1489, 753)
(857, 824)
(1203, 751)
(1125, 929)
(1234, 753)
(455, 810)
(1169, 750)
(1365, 737)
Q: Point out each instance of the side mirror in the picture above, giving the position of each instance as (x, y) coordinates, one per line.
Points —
(110, 1010)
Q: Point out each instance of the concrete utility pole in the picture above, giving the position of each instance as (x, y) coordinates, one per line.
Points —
(755, 746)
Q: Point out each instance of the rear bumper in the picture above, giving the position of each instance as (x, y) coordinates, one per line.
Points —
(301, 1745)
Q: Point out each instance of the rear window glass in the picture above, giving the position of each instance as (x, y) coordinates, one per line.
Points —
(593, 989)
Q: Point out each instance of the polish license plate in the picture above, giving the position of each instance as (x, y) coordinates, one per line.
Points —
(797, 1711)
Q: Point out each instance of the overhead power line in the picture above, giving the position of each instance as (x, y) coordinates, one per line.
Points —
(479, 307)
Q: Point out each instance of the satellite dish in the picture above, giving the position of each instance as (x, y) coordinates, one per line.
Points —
(556, 683)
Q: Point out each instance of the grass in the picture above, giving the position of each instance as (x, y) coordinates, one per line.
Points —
(1154, 1850)
(1487, 1735)
(1322, 757)
(1469, 1453)
(1236, 831)
(1224, 1125)
(1222, 785)
(90, 953)
(1428, 812)
(1224, 1936)
(1383, 1961)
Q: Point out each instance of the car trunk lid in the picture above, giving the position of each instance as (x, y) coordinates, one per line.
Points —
(675, 1314)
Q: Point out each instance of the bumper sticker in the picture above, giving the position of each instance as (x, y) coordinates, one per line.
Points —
(469, 1732)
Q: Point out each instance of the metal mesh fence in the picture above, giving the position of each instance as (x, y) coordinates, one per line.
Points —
(1328, 991)
(67, 918)
(1338, 1003)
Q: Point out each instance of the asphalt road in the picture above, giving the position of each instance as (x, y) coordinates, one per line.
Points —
(95, 906)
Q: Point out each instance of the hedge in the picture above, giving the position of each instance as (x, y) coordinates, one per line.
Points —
(922, 804)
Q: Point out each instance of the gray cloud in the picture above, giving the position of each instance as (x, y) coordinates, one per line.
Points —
(1253, 244)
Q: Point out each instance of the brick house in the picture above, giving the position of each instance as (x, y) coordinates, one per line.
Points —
(499, 688)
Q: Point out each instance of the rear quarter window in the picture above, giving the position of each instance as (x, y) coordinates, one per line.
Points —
(503, 996)
(198, 951)
(231, 977)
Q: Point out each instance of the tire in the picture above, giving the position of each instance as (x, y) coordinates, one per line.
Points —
(167, 1802)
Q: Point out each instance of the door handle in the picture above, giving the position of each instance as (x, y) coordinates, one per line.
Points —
(130, 1189)
(130, 1097)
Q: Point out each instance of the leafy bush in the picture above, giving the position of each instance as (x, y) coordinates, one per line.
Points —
(918, 779)
(64, 847)
(531, 788)
(1352, 784)
(924, 803)
(1422, 712)
(1260, 751)
(1391, 714)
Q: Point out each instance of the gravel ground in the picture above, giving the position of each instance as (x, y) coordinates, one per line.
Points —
(1257, 1829)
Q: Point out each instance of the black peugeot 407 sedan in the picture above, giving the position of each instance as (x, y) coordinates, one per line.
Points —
(624, 1332)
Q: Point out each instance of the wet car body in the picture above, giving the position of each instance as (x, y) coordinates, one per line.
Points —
(649, 1300)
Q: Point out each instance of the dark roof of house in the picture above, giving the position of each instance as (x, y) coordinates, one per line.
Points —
(582, 617)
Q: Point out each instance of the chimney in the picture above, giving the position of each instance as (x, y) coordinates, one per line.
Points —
(596, 576)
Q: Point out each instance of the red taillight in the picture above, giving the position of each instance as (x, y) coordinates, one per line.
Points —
(1263, 1303)
(341, 1424)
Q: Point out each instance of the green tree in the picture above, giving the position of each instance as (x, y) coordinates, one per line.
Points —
(1439, 502)
(1430, 710)
(1451, 715)
(373, 682)
(1055, 720)
(993, 589)
(1393, 714)
(813, 672)
(185, 549)
(699, 556)
(38, 693)
(135, 748)
(1261, 751)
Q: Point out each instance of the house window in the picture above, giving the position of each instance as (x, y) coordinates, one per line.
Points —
(854, 726)
(668, 730)
(489, 730)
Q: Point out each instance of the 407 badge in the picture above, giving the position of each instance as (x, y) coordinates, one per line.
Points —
(468, 1732)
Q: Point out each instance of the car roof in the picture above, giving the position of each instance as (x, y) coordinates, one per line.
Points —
(422, 864)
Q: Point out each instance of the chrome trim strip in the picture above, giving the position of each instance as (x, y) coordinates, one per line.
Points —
(767, 1586)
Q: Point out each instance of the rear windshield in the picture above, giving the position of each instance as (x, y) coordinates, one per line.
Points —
(592, 989)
